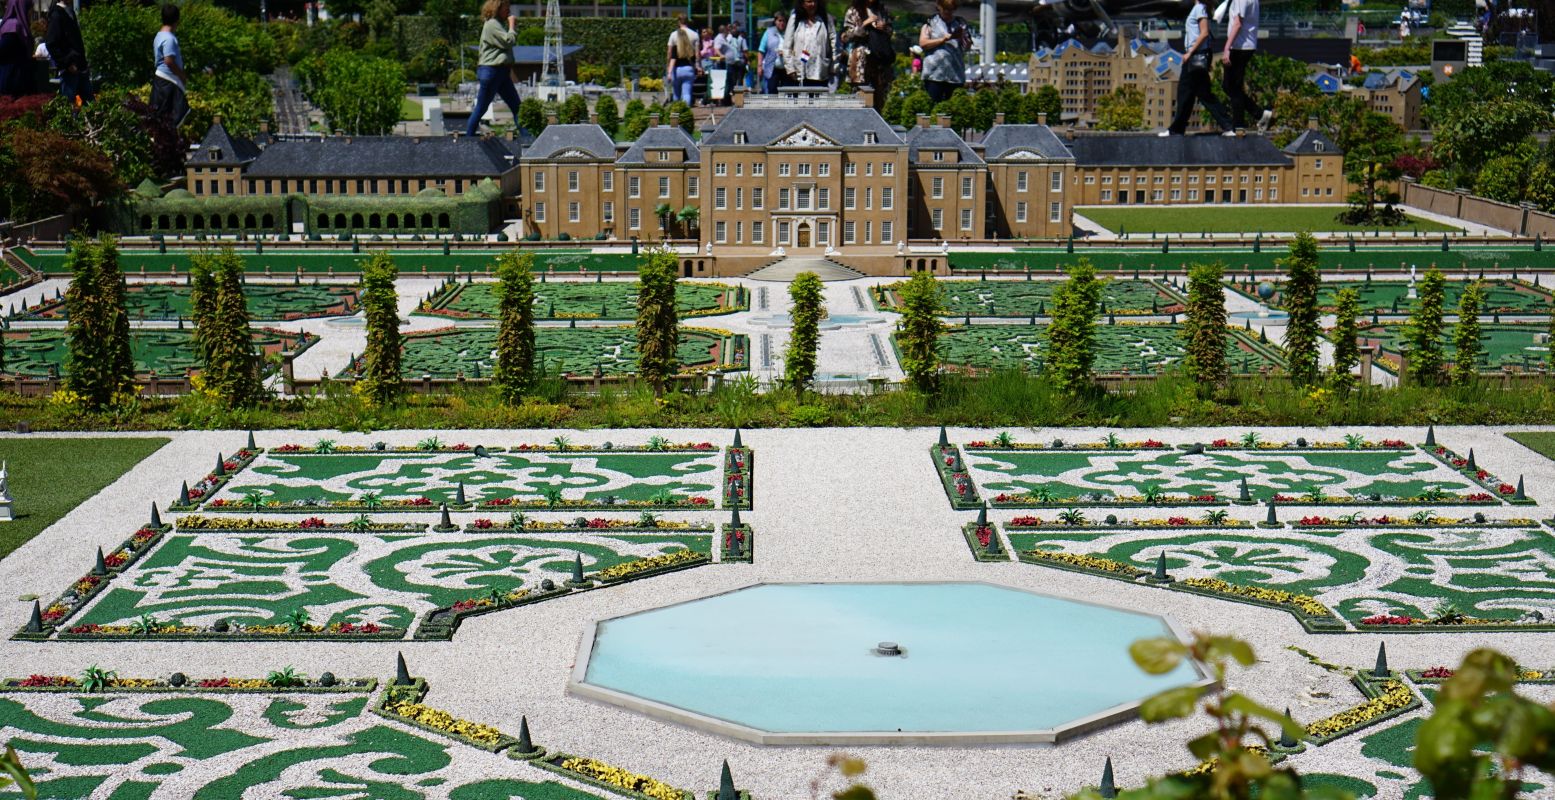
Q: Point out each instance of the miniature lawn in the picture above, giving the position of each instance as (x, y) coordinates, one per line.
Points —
(614, 300)
(1004, 298)
(155, 301)
(411, 260)
(1137, 349)
(50, 477)
(1237, 219)
(31, 352)
(1541, 442)
(1145, 258)
(1392, 297)
(575, 351)
(1505, 344)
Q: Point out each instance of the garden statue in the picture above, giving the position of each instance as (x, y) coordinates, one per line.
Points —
(6, 514)
(901, 248)
(709, 248)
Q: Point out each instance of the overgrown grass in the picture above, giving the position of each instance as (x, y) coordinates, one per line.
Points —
(1005, 399)
(49, 477)
(1541, 442)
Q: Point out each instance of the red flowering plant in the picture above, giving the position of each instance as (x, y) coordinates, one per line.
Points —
(312, 522)
(483, 524)
(116, 559)
(737, 535)
(1178, 522)
(702, 501)
(34, 681)
(85, 629)
(1026, 521)
(984, 535)
(1388, 619)
(1220, 443)
(1440, 673)
(289, 448)
(214, 683)
(1506, 488)
(347, 627)
(1480, 497)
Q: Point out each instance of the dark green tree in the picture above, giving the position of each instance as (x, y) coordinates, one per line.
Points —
(101, 369)
(516, 325)
(1301, 288)
(574, 110)
(1071, 350)
(231, 365)
(1347, 306)
(608, 114)
(1122, 110)
(531, 115)
(1423, 333)
(1204, 331)
(1468, 350)
(359, 94)
(379, 382)
(658, 320)
(805, 338)
(202, 296)
(1045, 100)
(918, 331)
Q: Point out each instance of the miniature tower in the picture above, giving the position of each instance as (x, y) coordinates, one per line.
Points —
(553, 70)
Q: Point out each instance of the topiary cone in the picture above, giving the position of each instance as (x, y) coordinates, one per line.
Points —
(1107, 788)
(101, 567)
(734, 517)
(1473, 467)
(221, 466)
(1519, 494)
(35, 620)
(459, 494)
(401, 672)
(737, 443)
(1272, 519)
(251, 446)
(156, 516)
(1286, 740)
(1244, 495)
(944, 438)
(726, 785)
(1160, 569)
(577, 568)
(1430, 436)
(183, 494)
(445, 523)
(1381, 669)
(982, 515)
(525, 744)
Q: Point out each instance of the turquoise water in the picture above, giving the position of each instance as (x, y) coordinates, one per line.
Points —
(791, 658)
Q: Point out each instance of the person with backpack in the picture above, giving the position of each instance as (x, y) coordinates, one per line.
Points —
(810, 45)
(866, 31)
(733, 47)
(68, 52)
(681, 68)
(1194, 84)
(945, 39)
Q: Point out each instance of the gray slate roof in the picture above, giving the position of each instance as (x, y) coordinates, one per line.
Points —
(557, 139)
(387, 156)
(1314, 143)
(662, 137)
(234, 150)
(763, 126)
(1005, 139)
(1149, 150)
(937, 138)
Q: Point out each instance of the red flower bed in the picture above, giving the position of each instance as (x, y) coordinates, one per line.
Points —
(734, 536)
(312, 522)
(1026, 521)
(1394, 443)
(499, 501)
(1220, 443)
(289, 448)
(460, 447)
(702, 501)
(46, 680)
(1437, 672)
(1506, 488)
(984, 535)
(1178, 521)
(420, 501)
(346, 627)
(1479, 497)
(115, 559)
(1386, 619)
(1205, 498)
(85, 629)
(483, 524)
(214, 683)
(1151, 444)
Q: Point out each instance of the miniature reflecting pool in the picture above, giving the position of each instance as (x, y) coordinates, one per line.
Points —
(802, 664)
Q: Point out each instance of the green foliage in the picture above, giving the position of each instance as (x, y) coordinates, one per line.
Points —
(1204, 328)
(1505, 178)
(99, 364)
(658, 322)
(242, 99)
(1423, 332)
(1301, 288)
(1483, 739)
(1045, 100)
(574, 110)
(13, 773)
(96, 679)
(918, 332)
(288, 676)
(126, 131)
(1347, 306)
(1071, 351)
(613, 42)
(359, 94)
(531, 115)
(608, 114)
(678, 113)
(117, 35)
(1122, 110)
(1470, 351)
(202, 297)
(516, 321)
(231, 365)
(380, 383)
(805, 338)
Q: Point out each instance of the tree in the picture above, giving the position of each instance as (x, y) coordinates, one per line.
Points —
(574, 110)
(1423, 332)
(202, 298)
(1468, 351)
(531, 115)
(231, 366)
(139, 143)
(1269, 76)
(1045, 100)
(1204, 332)
(666, 214)
(803, 341)
(918, 331)
(1468, 138)
(1301, 287)
(44, 173)
(658, 320)
(1122, 110)
(1071, 352)
(379, 382)
(116, 35)
(101, 369)
(1347, 306)
(608, 114)
(1504, 178)
(688, 216)
(359, 94)
(516, 326)
(1372, 143)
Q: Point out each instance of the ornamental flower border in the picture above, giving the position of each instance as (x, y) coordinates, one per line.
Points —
(979, 546)
(553, 762)
(1375, 709)
(965, 497)
(1100, 501)
(1499, 489)
(1059, 445)
(1395, 623)
(739, 481)
(566, 526)
(278, 632)
(1039, 524)
(1378, 500)
(72, 685)
(747, 544)
(73, 599)
(1387, 522)
(1418, 676)
(413, 695)
(203, 489)
(1301, 445)
(202, 524)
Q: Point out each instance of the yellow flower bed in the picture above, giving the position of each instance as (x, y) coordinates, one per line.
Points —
(624, 779)
(630, 568)
(1302, 602)
(1395, 695)
(438, 719)
(1088, 562)
(133, 683)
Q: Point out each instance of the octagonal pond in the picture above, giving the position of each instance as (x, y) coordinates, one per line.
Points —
(802, 664)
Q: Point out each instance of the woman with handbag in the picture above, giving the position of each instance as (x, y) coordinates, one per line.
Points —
(1194, 84)
(866, 31)
(810, 46)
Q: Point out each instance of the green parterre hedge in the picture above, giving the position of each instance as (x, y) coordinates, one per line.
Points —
(39, 353)
(1151, 259)
(261, 259)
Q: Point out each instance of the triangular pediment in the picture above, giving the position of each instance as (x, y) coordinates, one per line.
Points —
(804, 136)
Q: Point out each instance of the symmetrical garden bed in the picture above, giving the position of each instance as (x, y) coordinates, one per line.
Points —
(611, 351)
(1505, 344)
(1122, 348)
(39, 353)
(1024, 299)
(1502, 296)
(609, 300)
(158, 301)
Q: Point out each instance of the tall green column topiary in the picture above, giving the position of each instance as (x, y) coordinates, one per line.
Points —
(231, 365)
(805, 338)
(202, 295)
(1347, 306)
(1204, 330)
(380, 382)
(918, 331)
(1300, 296)
(516, 326)
(1469, 351)
(1071, 352)
(99, 363)
(1423, 332)
(658, 321)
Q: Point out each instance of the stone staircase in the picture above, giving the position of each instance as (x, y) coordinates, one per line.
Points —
(784, 269)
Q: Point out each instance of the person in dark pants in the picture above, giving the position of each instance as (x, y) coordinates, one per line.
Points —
(1193, 84)
(169, 84)
(16, 68)
(1241, 45)
(68, 52)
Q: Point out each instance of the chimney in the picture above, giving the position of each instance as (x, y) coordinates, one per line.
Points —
(508, 135)
(866, 95)
(924, 121)
(550, 117)
(1311, 123)
(944, 120)
(593, 118)
(339, 132)
(264, 126)
(653, 120)
(998, 118)
(1042, 118)
(738, 98)
(216, 120)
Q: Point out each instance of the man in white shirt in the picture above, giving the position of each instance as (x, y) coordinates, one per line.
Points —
(1241, 44)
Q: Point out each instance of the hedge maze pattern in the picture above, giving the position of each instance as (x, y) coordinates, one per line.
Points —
(447, 354)
(1136, 349)
(1505, 345)
(155, 301)
(614, 300)
(36, 353)
(1003, 298)
(1502, 296)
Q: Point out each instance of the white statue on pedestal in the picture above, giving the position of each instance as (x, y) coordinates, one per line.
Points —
(901, 248)
(5, 493)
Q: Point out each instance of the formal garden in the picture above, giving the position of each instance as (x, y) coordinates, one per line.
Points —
(1137, 348)
(169, 302)
(615, 300)
(43, 352)
(1120, 297)
(611, 351)
(1394, 297)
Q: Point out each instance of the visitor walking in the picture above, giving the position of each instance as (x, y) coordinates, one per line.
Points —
(945, 40)
(866, 31)
(169, 83)
(68, 52)
(16, 66)
(733, 49)
(494, 68)
(1241, 44)
(681, 60)
(810, 45)
(772, 73)
(1194, 84)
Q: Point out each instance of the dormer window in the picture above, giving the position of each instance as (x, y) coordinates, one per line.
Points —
(1317, 147)
(215, 153)
(739, 137)
(870, 138)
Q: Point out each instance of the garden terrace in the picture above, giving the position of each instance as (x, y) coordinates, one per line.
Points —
(151, 301)
(1121, 297)
(1149, 258)
(42, 353)
(614, 300)
(1138, 349)
(471, 353)
(1504, 344)
(1502, 296)
(279, 260)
